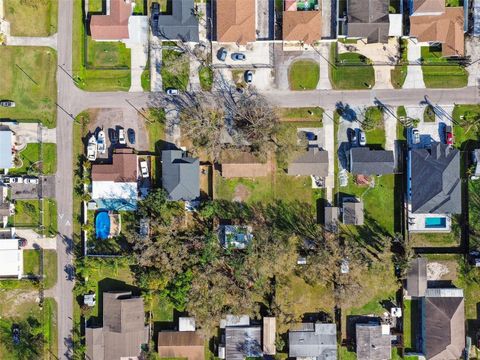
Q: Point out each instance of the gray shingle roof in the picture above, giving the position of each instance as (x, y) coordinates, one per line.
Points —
(353, 213)
(364, 161)
(371, 343)
(417, 277)
(368, 19)
(331, 218)
(319, 342)
(180, 175)
(182, 24)
(435, 180)
(312, 162)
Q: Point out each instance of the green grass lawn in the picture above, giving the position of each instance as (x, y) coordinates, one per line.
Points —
(429, 114)
(301, 114)
(50, 268)
(408, 320)
(439, 72)
(31, 155)
(27, 214)
(175, 70)
(108, 55)
(31, 18)
(145, 79)
(29, 79)
(31, 262)
(434, 240)
(348, 73)
(454, 3)
(304, 75)
(467, 129)
(206, 78)
(90, 79)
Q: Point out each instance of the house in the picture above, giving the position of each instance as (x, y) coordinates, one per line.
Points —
(313, 162)
(373, 341)
(114, 186)
(243, 339)
(318, 341)
(181, 24)
(123, 332)
(235, 236)
(185, 343)
(11, 255)
(113, 26)
(243, 165)
(368, 19)
(6, 149)
(300, 24)
(431, 21)
(364, 161)
(433, 187)
(417, 278)
(331, 218)
(352, 212)
(7, 208)
(235, 21)
(180, 175)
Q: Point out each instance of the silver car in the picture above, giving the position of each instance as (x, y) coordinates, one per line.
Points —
(415, 136)
(362, 138)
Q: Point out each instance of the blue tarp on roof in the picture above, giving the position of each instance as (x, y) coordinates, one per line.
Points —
(6, 160)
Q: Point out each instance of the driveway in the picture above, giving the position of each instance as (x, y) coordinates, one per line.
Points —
(155, 64)
(284, 59)
(349, 120)
(431, 131)
(31, 132)
(45, 189)
(36, 241)
(258, 53)
(138, 43)
(472, 48)
(414, 79)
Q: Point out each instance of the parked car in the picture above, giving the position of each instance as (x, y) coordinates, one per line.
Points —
(7, 103)
(222, 54)
(248, 77)
(15, 334)
(154, 17)
(352, 136)
(415, 136)
(22, 242)
(449, 135)
(172, 91)
(131, 136)
(13, 180)
(238, 56)
(144, 168)
(31, 180)
(121, 136)
(113, 136)
(362, 138)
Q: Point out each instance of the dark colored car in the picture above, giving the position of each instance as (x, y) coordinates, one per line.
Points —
(248, 77)
(222, 54)
(238, 56)
(113, 136)
(352, 136)
(131, 136)
(16, 334)
(7, 103)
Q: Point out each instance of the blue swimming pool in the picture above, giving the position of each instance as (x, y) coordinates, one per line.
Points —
(102, 225)
(436, 222)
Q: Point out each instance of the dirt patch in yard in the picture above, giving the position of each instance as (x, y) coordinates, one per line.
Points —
(14, 301)
(241, 193)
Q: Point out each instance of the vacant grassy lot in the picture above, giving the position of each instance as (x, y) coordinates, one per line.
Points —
(87, 79)
(175, 69)
(439, 72)
(108, 55)
(50, 268)
(30, 157)
(31, 262)
(206, 78)
(29, 79)
(304, 75)
(301, 114)
(27, 214)
(31, 18)
(353, 71)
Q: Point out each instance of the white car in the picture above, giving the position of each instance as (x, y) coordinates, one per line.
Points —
(31, 180)
(415, 136)
(16, 180)
(362, 139)
(121, 137)
(172, 91)
(144, 169)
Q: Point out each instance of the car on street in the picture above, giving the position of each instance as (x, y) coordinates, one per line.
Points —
(172, 91)
(415, 136)
(131, 136)
(238, 56)
(121, 136)
(7, 103)
(16, 334)
(31, 180)
(352, 136)
(113, 136)
(362, 138)
(448, 135)
(144, 169)
(222, 54)
(22, 242)
(13, 180)
(248, 77)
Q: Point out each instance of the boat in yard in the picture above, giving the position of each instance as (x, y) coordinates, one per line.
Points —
(92, 148)
(101, 144)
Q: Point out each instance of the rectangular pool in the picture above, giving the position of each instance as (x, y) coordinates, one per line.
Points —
(435, 222)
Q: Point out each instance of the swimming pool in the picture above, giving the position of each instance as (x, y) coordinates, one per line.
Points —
(435, 222)
(102, 225)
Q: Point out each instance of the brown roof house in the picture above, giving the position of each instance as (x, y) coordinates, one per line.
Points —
(313, 162)
(235, 21)
(431, 21)
(300, 23)
(368, 19)
(113, 26)
(243, 165)
(184, 343)
(123, 333)
(114, 186)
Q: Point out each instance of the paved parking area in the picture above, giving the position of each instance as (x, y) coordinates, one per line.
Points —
(30, 132)
(257, 53)
(431, 131)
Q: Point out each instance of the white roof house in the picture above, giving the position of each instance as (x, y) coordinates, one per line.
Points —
(11, 258)
(6, 145)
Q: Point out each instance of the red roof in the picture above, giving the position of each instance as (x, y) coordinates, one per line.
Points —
(113, 26)
(122, 169)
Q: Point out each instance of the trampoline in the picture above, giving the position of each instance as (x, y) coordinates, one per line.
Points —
(102, 225)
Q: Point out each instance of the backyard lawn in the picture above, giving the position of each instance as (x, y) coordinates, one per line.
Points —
(29, 79)
(21, 13)
(175, 70)
(352, 71)
(31, 155)
(107, 55)
(304, 75)
(439, 72)
(434, 240)
(27, 214)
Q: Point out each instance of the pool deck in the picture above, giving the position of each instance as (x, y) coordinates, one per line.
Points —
(416, 223)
